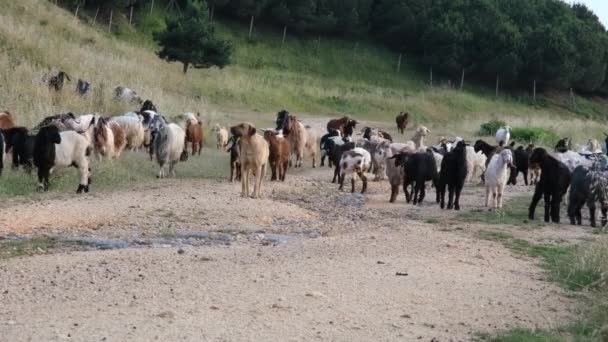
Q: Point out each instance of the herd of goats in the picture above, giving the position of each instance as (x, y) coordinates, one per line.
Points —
(65, 140)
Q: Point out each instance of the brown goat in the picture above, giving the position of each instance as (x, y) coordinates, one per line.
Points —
(402, 120)
(279, 155)
(194, 135)
(233, 147)
(6, 120)
(341, 124)
(120, 138)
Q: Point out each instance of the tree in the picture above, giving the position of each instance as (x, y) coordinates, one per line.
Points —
(190, 39)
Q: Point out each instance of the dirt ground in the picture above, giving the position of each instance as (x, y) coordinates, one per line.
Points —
(191, 260)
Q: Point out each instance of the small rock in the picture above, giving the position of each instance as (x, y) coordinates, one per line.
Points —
(213, 307)
(381, 263)
(401, 274)
(180, 251)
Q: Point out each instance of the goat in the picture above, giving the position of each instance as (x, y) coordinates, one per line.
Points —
(534, 171)
(372, 134)
(342, 125)
(254, 157)
(452, 175)
(335, 156)
(127, 94)
(82, 87)
(194, 134)
(418, 139)
(521, 164)
(496, 177)
(235, 158)
(563, 145)
(56, 82)
(103, 140)
(476, 161)
(54, 149)
(588, 186)
(169, 144)
(356, 161)
(554, 182)
(402, 120)
(133, 130)
(65, 121)
(394, 173)
(296, 133)
(278, 155)
(503, 134)
(221, 136)
(21, 144)
(418, 168)
(2, 149)
(148, 105)
(323, 144)
(6, 120)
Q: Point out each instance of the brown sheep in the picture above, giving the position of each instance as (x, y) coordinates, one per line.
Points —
(254, 157)
(402, 120)
(6, 120)
(279, 155)
(194, 135)
(341, 125)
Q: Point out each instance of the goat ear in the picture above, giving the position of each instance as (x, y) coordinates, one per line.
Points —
(252, 131)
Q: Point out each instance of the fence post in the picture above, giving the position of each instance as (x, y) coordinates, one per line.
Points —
(76, 13)
(131, 16)
(151, 6)
(534, 91)
(572, 99)
(110, 23)
(284, 34)
(497, 84)
(95, 17)
(251, 27)
(431, 76)
(462, 79)
(399, 63)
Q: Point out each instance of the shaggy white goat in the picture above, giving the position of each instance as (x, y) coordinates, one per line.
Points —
(503, 134)
(496, 177)
(132, 125)
(476, 163)
(169, 140)
(221, 135)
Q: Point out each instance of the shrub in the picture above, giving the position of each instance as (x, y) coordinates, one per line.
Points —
(490, 127)
(535, 135)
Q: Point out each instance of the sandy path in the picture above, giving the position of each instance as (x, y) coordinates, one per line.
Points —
(339, 286)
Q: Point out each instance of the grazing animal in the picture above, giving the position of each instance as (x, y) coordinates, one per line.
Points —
(592, 147)
(323, 144)
(533, 170)
(496, 177)
(356, 161)
(53, 149)
(554, 182)
(335, 156)
(221, 135)
(235, 158)
(127, 94)
(563, 145)
(378, 162)
(2, 149)
(394, 173)
(148, 105)
(169, 144)
(418, 139)
(452, 175)
(82, 87)
(376, 134)
(573, 159)
(521, 159)
(6, 120)
(503, 134)
(589, 186)
(133, 130)
(194, 135)
(296, 133)
(403, 119)
(56, 82)
(343, 125)
(21, 144)
(418, 168)
(103, 140)
(279, 155)
(254, 157)
(64, 122)
(476, 163)
(120, 139)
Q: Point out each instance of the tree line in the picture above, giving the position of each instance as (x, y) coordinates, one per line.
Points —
(546, 42)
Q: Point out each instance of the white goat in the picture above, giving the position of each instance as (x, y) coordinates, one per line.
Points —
(496, 177)
(356, 161)
(132, 125)
(221, 135)
(169, 142)
(476, 163)
(503, 134)
(418, 139)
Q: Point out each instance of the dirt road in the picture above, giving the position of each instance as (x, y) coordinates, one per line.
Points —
(304, 263)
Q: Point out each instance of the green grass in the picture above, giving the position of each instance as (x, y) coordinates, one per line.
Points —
(30, 246)
(535, 135)
(514, 213)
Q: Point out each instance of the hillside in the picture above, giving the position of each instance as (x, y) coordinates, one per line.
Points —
(305, 76)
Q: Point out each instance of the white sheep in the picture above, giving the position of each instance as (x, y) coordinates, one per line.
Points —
(476, 163)
(356, 161)
(133, 127)
(503, 134)
(496, 177)
(221, 135)
(169, 143)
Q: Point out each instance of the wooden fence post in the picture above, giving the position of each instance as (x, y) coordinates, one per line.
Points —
(462, 79)
(284, 34)
(497, 84)
(131, 16)
(399, 63)
(251, 27)
(151, 6)
(431, 77)
(110, 23)
(95, 17)
(534, 91)
(76, 13)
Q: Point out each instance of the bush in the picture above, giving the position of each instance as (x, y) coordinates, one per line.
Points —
(535, 135)
(490, 127)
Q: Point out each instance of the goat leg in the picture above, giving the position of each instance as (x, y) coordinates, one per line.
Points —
(534, 203)
(364, 180)
(591, 206)
(422, 193)
(457, 200)
(394, 193)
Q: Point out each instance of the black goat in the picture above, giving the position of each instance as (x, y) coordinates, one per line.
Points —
(367, 134)
(563, 145)
(521, 159)
(234, 149)
(56, 82)
(2, 149)
(82, 87)
(326, 145)
(335, 155)
(553, 184)
(418, 168)
(589, 186)
(453, 174)
(21, 144)
(148, 105)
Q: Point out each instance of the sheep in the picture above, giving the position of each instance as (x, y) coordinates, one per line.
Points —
(82, 87)
(6, 120)
(221, 136)
(103, 140)
(235, 158)
(402, 120)
(356, 161)
(54, 149)
(452, 175)
(521, 164)
(554, 182)
(133, 130)
(503, 134)
(418, 168)
(169, 144)
(21, 144)
(127, 94)
(279, 155)
(194, 134)
(296, 133)
(496, 177)
(254, 157)
(588, 186)
(342, 124)
(323, 144)
(476, 161)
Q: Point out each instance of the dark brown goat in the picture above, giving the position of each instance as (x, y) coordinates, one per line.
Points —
(279, 155)
(6, 120)
(341, 125)
(403, 118)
